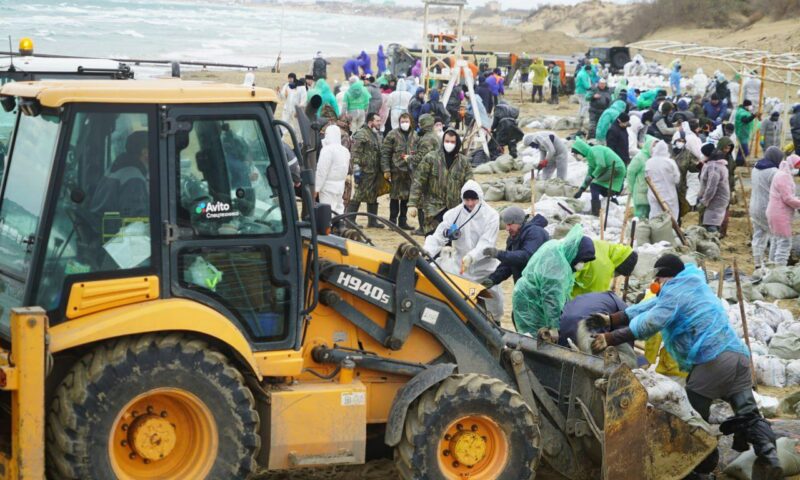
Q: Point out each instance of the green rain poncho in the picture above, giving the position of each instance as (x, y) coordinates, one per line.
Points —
(357, 97)
(546, 283)
(608, 117)
(600, 159)
(636, 182)
(743, 129)
(596, 275)
(647, 98)
(322, 89)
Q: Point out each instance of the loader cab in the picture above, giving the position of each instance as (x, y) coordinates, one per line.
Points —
(125, 192)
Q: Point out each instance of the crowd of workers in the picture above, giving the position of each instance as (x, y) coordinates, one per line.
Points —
(389, 137)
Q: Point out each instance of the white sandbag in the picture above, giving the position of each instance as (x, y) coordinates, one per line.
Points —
(770, 371)
(793, 373)
(757, 327)
(494, 194)
(742, 467)
(504, 163)
(669, 396)
(785, 345)
(518, 193)
(484, 169)
(661, 229)
(789, 326)
(719, 412)
(758, 348)
(778, 291)
(784, 275)
(768, 406)
(772, 314)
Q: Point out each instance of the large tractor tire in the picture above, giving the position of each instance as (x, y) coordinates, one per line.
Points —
(153, 406)
(471, 426)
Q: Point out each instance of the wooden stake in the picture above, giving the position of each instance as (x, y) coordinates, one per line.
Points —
(720, 280)
(608, 201)
(664, 207)
(565, 208)
(740, 298)
(602, 225)
(746, 204)
(625, 218)
(625, 285)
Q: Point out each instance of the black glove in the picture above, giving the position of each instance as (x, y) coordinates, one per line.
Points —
(488, 283)
(490, 252)
(579, 193)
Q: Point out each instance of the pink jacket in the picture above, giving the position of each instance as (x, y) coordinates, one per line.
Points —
(782, 201)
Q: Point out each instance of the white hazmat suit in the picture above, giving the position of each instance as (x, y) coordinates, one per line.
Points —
(332, 167)
(665, 175)
(398, 103)
(553, 154)
(699, 83)
(477, 230)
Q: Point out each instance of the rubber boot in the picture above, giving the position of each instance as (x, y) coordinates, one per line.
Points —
(421, 217)
(596, 207)
(759, 434)
(394, 210)
(372, 222)
(353, 207)
(404, 216)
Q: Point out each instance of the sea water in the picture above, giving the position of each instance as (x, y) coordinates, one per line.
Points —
(196, 30)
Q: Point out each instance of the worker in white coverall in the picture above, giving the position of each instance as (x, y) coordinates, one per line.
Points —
(460, 240)
(664, 173)
(332, 168)
(699, 83)
(553, 154)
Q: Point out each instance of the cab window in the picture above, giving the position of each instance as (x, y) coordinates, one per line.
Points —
(101, 221)
(224, 189)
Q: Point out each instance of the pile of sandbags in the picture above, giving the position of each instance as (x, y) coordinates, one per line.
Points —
(549, 122)
(502, 164)
(508, 189)
(704, 242)
(774, 340)
(781, 283)
(554, 187)
(742, 467)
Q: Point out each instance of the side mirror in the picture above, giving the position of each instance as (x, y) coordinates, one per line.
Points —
(8, 103)
(322, 217)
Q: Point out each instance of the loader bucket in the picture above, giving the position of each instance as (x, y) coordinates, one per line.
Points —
(641, 441)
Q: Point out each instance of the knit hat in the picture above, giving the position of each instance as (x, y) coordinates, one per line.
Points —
(626, 267)
(707, 149)
(668, 265)
(513, 216)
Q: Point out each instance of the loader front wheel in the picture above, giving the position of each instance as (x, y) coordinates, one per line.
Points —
(469, 427)
(155, 406)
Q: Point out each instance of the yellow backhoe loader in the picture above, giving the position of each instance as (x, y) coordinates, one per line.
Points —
(166, 312)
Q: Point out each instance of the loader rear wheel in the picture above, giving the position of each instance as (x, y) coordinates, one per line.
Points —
(470, 426)
(166, 407)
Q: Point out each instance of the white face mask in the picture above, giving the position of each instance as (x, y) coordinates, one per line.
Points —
(405, 126)
(579, 266)
(449, 147)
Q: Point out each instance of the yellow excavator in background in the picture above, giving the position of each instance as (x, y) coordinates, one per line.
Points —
(166, 312)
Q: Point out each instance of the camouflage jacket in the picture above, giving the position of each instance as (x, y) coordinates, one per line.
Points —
(438, 185)
(366, 151)
(395, 145)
